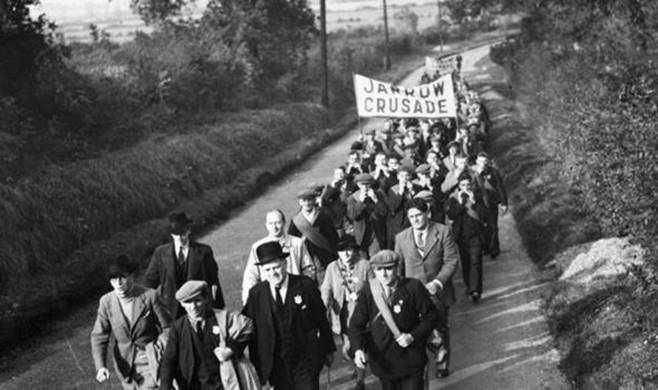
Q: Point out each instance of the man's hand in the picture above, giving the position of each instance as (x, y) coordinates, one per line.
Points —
(372, 195)
(329, 359)
(405, 340)
(360, 359)
(433, 287)
(103, 374)
(223, 353)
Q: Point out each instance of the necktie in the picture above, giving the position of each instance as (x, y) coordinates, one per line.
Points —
(181, 256)
(279, 299)
(389, 295)
(420, 241)
(199, 328)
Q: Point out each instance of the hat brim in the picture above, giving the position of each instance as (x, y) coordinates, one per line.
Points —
(270, 259)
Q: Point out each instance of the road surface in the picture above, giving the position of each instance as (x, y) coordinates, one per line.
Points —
(501, 343)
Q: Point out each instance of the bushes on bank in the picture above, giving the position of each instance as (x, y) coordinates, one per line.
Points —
(49, 215)
(586, 78)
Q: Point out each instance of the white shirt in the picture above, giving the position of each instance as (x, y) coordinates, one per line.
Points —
(177, 248)
(283, 289)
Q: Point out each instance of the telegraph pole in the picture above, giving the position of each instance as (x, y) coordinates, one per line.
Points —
(440, 26)
(387, 57)
(323, 51)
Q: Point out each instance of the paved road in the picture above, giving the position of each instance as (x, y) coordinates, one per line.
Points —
(502, 343)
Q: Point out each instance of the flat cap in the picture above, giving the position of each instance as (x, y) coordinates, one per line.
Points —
(454, 144)
(191, 289)
(307, 193)
(424, 169)
(385, 258)
(425, 195)
(356, 145)
(370, 132)
(483, 154)
(364, 178)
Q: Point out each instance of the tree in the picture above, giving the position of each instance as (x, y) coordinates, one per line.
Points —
(408, 20)
(24, 44)
(271, 36)
(156, 11)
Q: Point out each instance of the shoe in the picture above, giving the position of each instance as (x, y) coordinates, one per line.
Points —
(360, 385)
(475, 297)
(442, 364)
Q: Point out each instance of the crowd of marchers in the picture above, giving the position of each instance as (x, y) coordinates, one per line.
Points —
(368, 258)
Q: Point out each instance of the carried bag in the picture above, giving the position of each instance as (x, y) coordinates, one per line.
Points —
(238, 373)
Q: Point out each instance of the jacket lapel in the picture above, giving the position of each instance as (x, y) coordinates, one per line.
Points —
(139, 309)
(293, 290)
(119, 321)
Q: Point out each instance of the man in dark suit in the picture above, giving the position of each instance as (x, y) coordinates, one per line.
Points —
(367, 210)
(430, 254)
(490, 181)
(181, 260)
(293, 338)
(139, 324)
(316, 228)
(396, 355)
(467, 211)
(397, 198)
(193, 354)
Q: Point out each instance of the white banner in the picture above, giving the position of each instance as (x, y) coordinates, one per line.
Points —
(446, 65)
(378, 99)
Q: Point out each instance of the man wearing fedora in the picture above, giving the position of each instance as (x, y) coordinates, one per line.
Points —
(298, 262)
(367, 210)
(430, 254)
(316, 229)
(139, 324)
(181, 260)
(194, 352)
(293, 338)
(391, 323)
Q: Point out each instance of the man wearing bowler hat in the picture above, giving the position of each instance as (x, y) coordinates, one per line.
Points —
(390, 325)
(181, 260)
(293, 338)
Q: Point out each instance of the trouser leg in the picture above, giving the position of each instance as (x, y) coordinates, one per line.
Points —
(475, 265)
(494, 248)
(412, 382)
(442, 326)
(466, 264)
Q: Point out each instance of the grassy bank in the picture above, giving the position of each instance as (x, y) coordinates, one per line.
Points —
(579, 153)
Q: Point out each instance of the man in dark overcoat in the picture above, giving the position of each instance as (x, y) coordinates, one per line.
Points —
(181, 260)
(398, 357)
(367, 210)
(193, 353)
(293, 339)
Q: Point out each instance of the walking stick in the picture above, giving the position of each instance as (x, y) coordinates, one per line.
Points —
(328, 377)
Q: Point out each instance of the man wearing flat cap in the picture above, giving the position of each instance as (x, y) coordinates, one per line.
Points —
(391, 323)
(397, 198)
(367, 210)
(194, 350)
(181, 260)
(489, 180)
(316, 229)
(292, 335)
(139, 323)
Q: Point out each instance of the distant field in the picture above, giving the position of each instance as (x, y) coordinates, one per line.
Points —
(124, 29)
